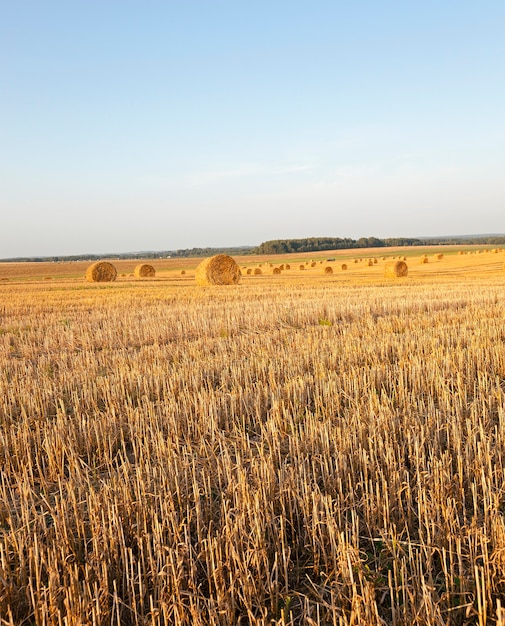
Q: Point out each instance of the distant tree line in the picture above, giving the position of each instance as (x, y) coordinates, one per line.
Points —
(280, 246)
(314, 244)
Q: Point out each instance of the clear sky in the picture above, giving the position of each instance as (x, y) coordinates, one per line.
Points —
(154, 125)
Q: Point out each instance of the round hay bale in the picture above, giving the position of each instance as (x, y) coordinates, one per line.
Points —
(328, 270)
(313, 264)
(439, 257)
(257, 271)
(369, 262)
(276, 270)
(281, 267)
(355, 260)
(101, 272)
(183, 272)
(423, 259)
(287, 267)
(395, 269)
(220, 269)
(248, 271)
(343, 266)
(144, 270)
(302, 267)
(383, 258)
(375, 261)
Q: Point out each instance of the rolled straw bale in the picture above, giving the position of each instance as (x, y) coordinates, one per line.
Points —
(281, 267)
(439, 257)
(302, 267)
(288, 267)
(375, 261)
(183, 272)
(248, 271)
(276, 270)
(257, 271)
(313, 264)
(355, 260)
(328, 270)
(101, 272)
(144, 271)
(369, 262)
(220, 269)
(395, 269)
(343, 266)
(423, 259)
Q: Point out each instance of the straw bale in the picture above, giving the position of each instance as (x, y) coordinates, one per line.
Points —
(328, 270)
(220, 269)
(369, 262)
(394, 269)
(183, 272)
(257, 271)
(439, 257)
(101, 272)
(248, 271)
(423, 259)
(276, 270)
(288, 267)
(343, 266)
(313, 264)
(144, 270)
(302, 267)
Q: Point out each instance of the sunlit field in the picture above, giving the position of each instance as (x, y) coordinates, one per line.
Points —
(302, 448)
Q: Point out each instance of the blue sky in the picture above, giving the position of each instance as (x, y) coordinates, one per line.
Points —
(128, 125)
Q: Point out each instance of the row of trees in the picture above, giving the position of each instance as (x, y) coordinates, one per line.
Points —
(313, 244)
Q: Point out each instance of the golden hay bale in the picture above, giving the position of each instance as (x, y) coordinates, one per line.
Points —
(257, 271)
(423, 259)
(276, 270)
(355, 260)
(369, 262)
(288, 267)
(248, 271)
(281, 267)
(328, 270)
(144, 271)
(343, 266)
(313, 264)
(394, 269)
(183, 272)
(439, 257)
(375, 261)
(302, 267)
(220, 269)
(460, 252)
(101, 272)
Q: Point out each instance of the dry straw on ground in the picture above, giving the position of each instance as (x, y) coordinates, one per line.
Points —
(395, 269)
(144, 270)
(101, 272)
(218, 270)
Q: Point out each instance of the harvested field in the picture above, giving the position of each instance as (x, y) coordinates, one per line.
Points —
(288, 450)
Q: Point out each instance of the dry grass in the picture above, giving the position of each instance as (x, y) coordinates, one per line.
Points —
(299, 453)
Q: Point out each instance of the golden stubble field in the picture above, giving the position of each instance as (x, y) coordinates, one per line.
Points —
(302, 448)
